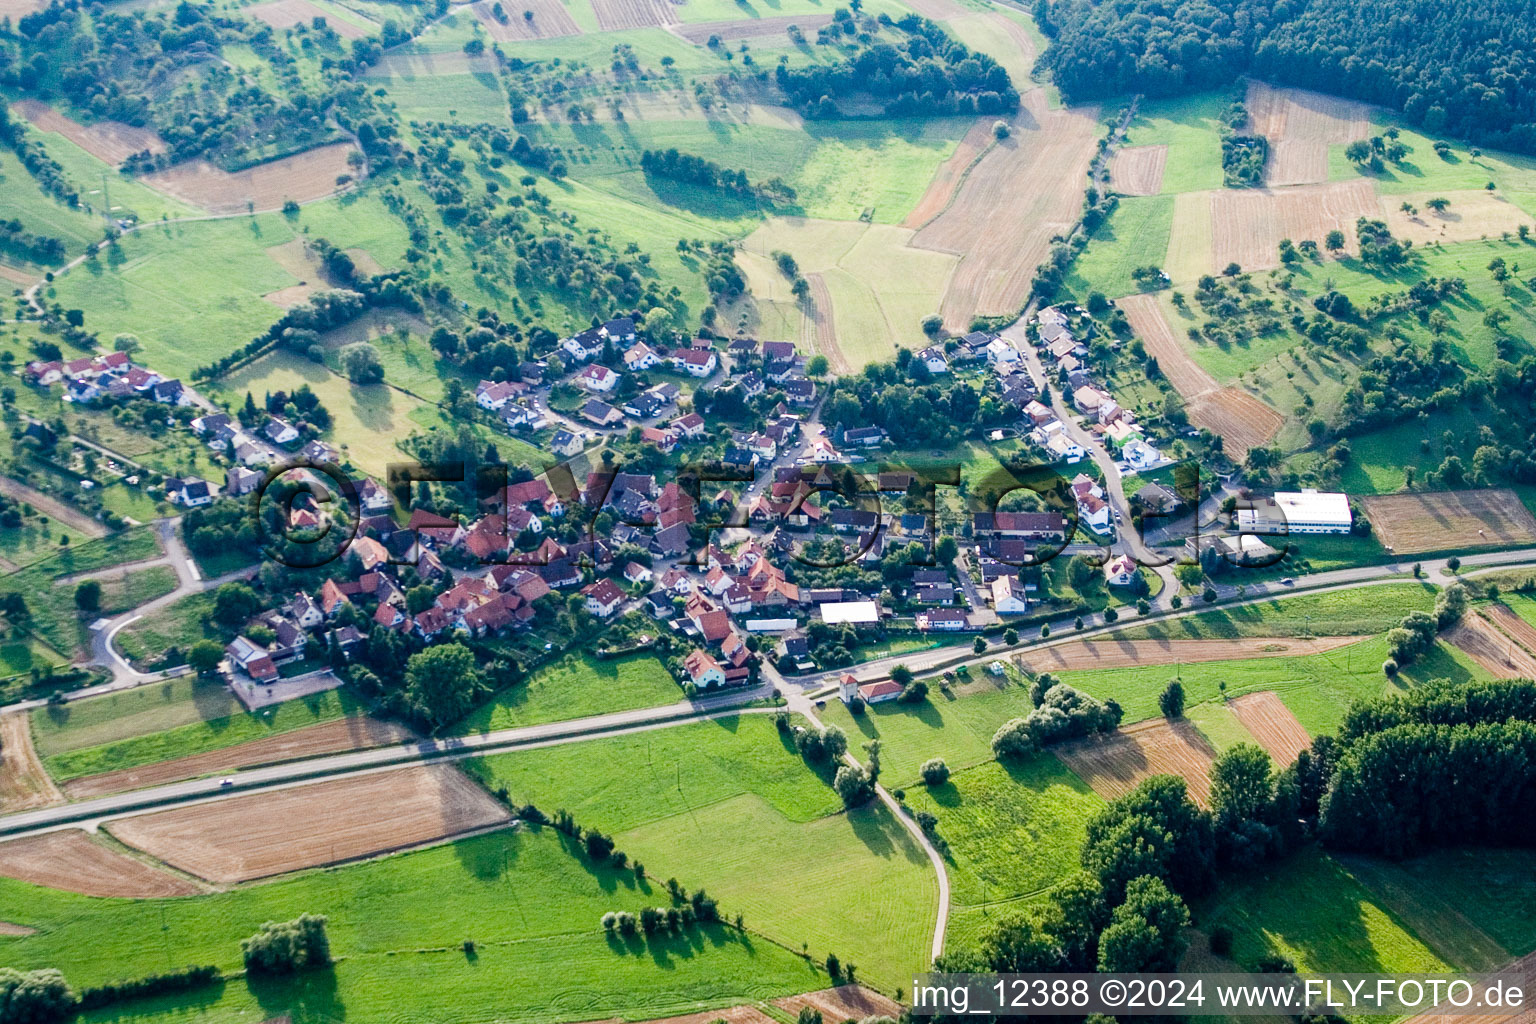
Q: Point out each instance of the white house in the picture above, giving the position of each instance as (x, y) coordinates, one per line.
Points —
(640, 357)
(1095, 514)
(1118, 572)
(584, 346)
(598, 379)
(703, 670)
(1001, 353)
(603, 597)
(493, 395)
(1140, 455)
(933, 359)
(1008, 596)
(697, 362)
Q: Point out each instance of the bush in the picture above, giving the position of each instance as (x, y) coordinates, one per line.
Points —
(34, 997)
(915, 693)
(854, 785)
(935, 772)
(154, 985)
(287, 946)
(1171, 700)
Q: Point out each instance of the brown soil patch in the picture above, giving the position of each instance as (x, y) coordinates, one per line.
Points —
(363, 260)
(1300, 126)
(24, 783)
(1025, 190)
(731, 1015)
(6, 928)
(1099, 654)
(109, 141)
(302, 177)
(16, 275)
(1472, 215)
(72, 860)
(285, 14)
(1138, 170)
(1242, 420)
(325, 738)
(821, 319)
(294, 295)
(1272, 724)
(1115, 764)
(846, 1002)
(751, 28)
(1491, 649)
(1440, 520)
(1510, 623)
(613, 15)
(1248, 224)
(261, 834)
(550, 19)
(1520, 972)
(949, 175)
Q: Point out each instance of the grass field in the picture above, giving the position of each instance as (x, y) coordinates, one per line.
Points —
(1355, 611)
(576, 686)
(211, 733)
(53, 617)
(1190, 128)
(366, 420)
(531, 907)
(1135, 235)
(1310, 909)
(128, 714)
(179, 624)
(1013, 830)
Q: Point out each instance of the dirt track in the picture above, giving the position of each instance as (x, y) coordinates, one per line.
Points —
(1115, 764)
(261, 834)
(72, 860)
(324, 738)
(1097, 654)
(24, 783)
(823, 320)
(1272, 724)
(1522, 632)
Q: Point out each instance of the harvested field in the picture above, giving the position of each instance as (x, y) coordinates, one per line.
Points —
(1138, 170)
(550, 19)
(1472, 215)
(23, 781)
(1242, 420)
(1026, 189)
(262, 834)
(430, 65)
(285, 14)
(1115, 764)
(109, 141)
(1491, 649)
(613, 15)
(846, 1002)
(1097, 654)
(301, 177)
(1151, 326)
(324, 738)
(729, 1015)
(822, 323)
(750, 28)
(1272, 724)
(1512, 625)
(1300, 126)
(949, 175)
(1248, 224)
(72, 860)
(938, 10)
(16, 275)
(1189, 243)
(1443, 520)
(1520, 972)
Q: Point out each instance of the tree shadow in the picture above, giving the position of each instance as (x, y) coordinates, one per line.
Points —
(309, 995)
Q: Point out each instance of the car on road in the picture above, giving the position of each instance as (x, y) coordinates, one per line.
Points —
(226, 783)
(1288, 581)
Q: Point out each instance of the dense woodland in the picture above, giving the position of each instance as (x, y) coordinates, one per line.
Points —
(1455, 67)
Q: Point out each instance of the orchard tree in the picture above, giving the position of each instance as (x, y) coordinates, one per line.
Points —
(443, 683)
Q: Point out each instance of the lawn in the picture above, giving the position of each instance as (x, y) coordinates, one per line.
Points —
(576, 686)
(195, 737)
(397, 925)
(179, 624)
(1013, 830)
(618, 783)
(53, 616)
(126, 714)
(1190, 127)
(1310, 909)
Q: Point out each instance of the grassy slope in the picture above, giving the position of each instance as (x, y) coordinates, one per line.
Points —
(531, 907)
(179, 624)
(1136, 235)
(54, 617)
(576, 686)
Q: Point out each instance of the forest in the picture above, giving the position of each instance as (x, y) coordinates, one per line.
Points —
(1461, 68)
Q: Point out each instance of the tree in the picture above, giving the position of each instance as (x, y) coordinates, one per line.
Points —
(1334, 240)
(1241, 786)
(1014, 739)
(935, 772)
(854, 785)
(233, 603)
(817, 367)
(1145, 932)
(1171, 700)
(979, 646)
(1358, 151)
(901, 675)
(945, 550)
(204, 656)
(1000, 130)
(1010, 636)
(88, 596)
(442, 683)
(287, 946)
(360, 363)
(1439, 204)
(35, 997)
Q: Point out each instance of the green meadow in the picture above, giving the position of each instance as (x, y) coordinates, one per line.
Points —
(576, 686)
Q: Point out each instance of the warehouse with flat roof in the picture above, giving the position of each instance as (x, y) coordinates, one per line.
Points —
(1304, 511)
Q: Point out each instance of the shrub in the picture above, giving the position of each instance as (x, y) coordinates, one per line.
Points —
(1171, 700)
(35, 997)
(283, 947)
(935, 772)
